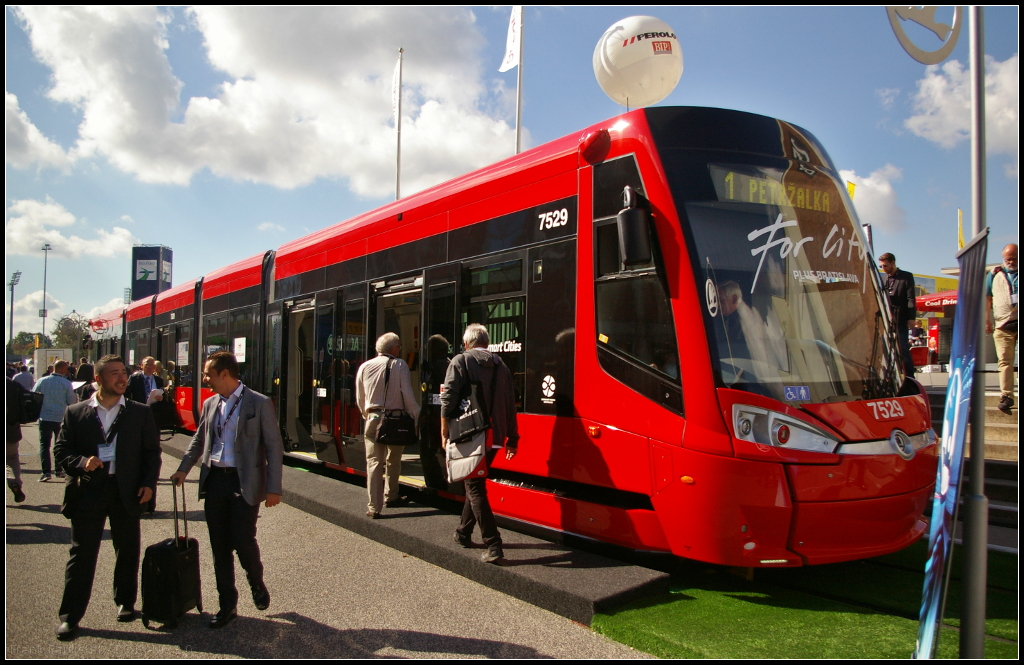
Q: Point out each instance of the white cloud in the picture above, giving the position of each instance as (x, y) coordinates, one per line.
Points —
(26, 312)
(25, 144)
(942, 107)
(308, 95)
(115, 303)
(875, 199)
(887, 96)
(269, 226)
(26, 231)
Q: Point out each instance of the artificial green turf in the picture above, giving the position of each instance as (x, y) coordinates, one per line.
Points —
(863, 609)
(894, 586)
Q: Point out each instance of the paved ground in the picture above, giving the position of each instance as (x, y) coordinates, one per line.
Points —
(334, 595)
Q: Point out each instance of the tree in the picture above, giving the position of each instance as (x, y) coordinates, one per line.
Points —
(24, 343)
(69, 331)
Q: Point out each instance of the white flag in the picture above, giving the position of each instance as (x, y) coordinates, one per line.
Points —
(514, 41)
(396, 89)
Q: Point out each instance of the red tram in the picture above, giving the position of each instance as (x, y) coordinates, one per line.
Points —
(703, 359)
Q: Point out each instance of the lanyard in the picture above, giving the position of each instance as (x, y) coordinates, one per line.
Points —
(109, 434)
(219, 424)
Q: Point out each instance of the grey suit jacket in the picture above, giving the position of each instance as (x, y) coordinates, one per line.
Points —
(259, 452)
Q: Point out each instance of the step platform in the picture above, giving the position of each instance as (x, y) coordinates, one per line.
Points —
(567, 581)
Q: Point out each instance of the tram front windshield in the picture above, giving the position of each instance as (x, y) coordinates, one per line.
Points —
(792, 302)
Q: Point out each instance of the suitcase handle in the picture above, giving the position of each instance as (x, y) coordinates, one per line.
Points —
(184, 514)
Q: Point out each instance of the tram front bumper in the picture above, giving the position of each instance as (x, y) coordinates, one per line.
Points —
(833, 531)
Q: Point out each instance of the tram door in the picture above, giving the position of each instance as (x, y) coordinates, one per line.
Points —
(298, 378)
(324, 374)
(351, 349)
(442, 337)
(398, 308)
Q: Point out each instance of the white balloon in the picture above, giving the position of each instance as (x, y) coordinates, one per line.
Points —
(638, 61)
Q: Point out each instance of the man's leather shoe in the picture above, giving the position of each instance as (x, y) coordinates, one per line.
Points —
(260, 596)
(67, 631)
(126, 613)
(223, 618)
(397, 502)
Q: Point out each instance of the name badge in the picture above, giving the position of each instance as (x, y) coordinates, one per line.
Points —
(107, 452)
(218, 450)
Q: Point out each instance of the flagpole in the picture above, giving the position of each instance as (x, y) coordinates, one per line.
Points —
(519, 86)
(398, 126)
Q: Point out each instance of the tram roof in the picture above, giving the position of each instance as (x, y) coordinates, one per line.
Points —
(140, 309)
(353, 237)
(112, 316)
(235, 277)
(178, 296)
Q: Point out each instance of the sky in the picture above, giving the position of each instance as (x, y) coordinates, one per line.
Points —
(223, 132)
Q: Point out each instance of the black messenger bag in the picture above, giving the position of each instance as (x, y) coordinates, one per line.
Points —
(397, 428)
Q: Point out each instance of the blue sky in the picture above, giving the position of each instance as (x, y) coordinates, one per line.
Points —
(223, 132)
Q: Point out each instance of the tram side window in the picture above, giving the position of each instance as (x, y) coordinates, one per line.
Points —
(183, 356)
(242, 337)
(506, 326)
(215, 334)
(634, 318)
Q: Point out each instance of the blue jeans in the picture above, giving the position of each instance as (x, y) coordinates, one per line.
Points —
(47, 430)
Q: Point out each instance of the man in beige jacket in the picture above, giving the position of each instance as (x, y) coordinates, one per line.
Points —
(383, 462)
(1001, 293)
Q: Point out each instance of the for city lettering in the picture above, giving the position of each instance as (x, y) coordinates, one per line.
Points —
(787, 245)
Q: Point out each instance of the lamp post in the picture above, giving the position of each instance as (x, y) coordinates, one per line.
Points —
(46, 249)
(15, 278)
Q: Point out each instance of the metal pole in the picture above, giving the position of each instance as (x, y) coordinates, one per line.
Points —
(398, 125)
(46, 254)
(519, 84)
(975, 534)
(15, 278)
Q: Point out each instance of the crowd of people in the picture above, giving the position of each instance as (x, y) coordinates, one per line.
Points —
(106, 448)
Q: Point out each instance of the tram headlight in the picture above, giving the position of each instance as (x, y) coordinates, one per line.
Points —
(772, 428)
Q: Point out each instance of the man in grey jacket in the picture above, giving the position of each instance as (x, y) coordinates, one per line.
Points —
(480, 366)
(239, 445)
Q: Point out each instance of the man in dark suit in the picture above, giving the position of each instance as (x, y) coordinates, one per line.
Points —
(899, 286)
(239, 445)
(110, 449)
(141, 384)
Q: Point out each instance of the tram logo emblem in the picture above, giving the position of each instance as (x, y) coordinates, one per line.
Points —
(547, 388)
(711, 293)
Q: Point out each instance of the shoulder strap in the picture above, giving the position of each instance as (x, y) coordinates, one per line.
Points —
(387, 378)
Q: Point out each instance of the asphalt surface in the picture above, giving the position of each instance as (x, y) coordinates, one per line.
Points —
(334, 594)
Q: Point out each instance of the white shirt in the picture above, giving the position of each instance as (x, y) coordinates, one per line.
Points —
(223, 452)
(107, 417)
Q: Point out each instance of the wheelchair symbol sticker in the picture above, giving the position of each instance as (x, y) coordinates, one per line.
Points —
(798, 393)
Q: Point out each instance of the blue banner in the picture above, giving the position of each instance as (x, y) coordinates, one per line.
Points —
(955, 420)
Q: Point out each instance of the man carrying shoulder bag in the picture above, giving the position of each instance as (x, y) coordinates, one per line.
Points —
(495, 394)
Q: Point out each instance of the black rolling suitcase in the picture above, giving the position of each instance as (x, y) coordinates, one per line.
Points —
(170, 575)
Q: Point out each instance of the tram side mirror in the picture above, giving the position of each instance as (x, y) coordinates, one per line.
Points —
(634, 222)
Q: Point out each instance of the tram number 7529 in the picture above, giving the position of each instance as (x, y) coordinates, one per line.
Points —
(549, 220)
(888, 409)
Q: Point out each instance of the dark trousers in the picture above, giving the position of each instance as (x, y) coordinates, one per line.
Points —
(48, 430)
(903, 335)
(478, 510)
(86, 532)
(231, 522)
